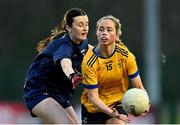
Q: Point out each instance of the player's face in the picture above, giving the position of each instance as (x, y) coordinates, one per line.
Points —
(79, 29)
(106, 32)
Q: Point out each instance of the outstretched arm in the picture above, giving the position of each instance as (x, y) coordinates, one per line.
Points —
(97, 102)
(68, 70)
(66, 65)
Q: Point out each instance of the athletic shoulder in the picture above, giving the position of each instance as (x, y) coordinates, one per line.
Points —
(123, 50)
(122, 46)
(90, 57)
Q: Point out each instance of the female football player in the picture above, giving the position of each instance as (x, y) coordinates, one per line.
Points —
(106, 70)
(52, 77)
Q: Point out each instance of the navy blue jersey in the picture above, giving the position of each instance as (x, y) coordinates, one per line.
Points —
(45, 73)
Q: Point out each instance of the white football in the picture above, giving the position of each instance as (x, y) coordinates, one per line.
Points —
(135, 101)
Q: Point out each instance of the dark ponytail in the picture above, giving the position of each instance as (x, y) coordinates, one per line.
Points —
(61, 30)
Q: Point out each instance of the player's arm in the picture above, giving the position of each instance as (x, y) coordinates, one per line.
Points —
(97, 102)
(62, 57)
(137, 82)
(133, 72)
(66, 65)
(75, 78)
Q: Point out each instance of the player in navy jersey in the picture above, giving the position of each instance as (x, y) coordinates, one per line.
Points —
(53, 75)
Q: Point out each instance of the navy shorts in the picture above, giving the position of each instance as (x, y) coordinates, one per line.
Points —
(34, 100)
(100, 117)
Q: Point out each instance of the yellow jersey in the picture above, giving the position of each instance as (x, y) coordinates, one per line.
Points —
(109, 75)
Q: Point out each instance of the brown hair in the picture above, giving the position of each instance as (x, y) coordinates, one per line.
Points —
(61, 30)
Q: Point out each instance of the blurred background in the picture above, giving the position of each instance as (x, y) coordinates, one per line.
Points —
(150, 29)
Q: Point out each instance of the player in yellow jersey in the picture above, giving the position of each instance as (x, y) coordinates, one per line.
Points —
(106, 70)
